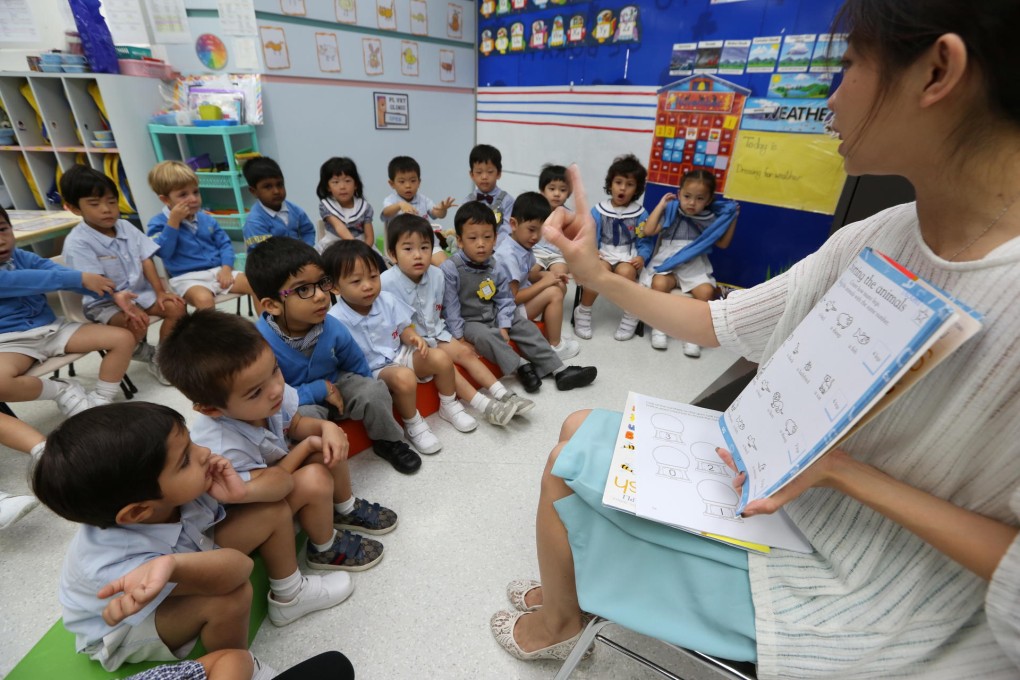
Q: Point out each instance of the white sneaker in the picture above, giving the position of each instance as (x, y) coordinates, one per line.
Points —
(96, 399)
(13, 508)
(156, 373)
(582, 323)
(691, 350)
(567, 349)
(422, 438)
(627, 327)
(72, 399)
(659, 339)
(456, 415)
(317, 592)
(262, 671)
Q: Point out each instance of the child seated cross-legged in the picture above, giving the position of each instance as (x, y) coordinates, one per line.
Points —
(31, 332)
(249, 415)
(153, 527)
(381, 325)
(420, 285)
(197, 254)
(272, 214)
(317, 354)
(538, 294)
(479, 307)
(405, 180)
(105, 244)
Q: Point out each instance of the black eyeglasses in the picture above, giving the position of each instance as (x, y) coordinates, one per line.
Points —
(325, 284)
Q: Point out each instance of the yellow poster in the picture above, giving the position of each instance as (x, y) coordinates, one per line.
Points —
(798, 171)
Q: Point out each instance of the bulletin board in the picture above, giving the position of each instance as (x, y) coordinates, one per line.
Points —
(775, 53)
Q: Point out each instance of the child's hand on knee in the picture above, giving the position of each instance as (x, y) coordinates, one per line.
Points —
(140, 586)
(334, 444)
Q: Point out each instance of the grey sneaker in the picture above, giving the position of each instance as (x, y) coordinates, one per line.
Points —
(499, 412)
(523, 405)
(143, 352)
(349, 552)
(370, 518)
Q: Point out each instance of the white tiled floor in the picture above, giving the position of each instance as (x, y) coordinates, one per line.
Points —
(466, 529)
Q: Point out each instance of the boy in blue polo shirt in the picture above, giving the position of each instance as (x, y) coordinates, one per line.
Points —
(153, 527)
(105, 244)
(196, 253)
(273, 214)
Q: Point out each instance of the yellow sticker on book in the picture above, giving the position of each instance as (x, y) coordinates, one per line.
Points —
(487, 289)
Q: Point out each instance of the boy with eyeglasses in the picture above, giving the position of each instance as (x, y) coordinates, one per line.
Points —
(317, 354)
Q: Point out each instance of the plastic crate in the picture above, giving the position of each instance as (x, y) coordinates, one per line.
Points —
(218, 180)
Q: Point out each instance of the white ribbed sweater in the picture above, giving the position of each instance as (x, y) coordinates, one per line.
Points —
(875, 600)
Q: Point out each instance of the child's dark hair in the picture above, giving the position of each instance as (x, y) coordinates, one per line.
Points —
(407, 223)
(474, 211)
(340, 259)
(529, 206)
(275, 260)
(704, 176)
(485, 153)
(551, 173)
(81, 182)
(403, 164)
(4, 217)
(627, 166)
(334, 167)
(101, 460)
(204, 352)
(261, 168)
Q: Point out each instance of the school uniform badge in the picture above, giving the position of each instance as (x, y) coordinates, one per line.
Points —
(486, 289)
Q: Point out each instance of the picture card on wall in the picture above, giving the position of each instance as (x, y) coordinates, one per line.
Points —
(681, 62)
(392, 111)
(485, 42)
(327, 51)
(294, 8)
(371, 52)
(237, 17)
(419, 17)
(274, 47)
(517, 36)
(764, 53)
(796, 53)
(627, 29)
(454, 20)
(447, 66)
(346, 11)
(829, 51)
(709, 53)
(539, 35)
(734, 56)
(386, 14)
(409, 58)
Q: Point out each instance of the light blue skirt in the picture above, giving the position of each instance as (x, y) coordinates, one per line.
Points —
(645, 576)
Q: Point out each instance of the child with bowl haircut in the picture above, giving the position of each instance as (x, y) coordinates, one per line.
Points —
(317, 354)
(153, 528)
(272, 214)
(249, 415)
(479, 307)
(421, 285)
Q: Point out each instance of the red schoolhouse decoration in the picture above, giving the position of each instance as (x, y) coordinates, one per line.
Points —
(696, 124)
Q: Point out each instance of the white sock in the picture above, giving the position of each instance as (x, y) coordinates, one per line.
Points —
(558, 346)
(319, 547)
(497, 390)
(345, 507)
(286, 589)
(107, 390)
(583, 309)
(480, 402)
(50, 389)
(413, 420)
(447, 399)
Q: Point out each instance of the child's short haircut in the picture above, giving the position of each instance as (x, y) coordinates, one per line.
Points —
(4, 217)
(275, 260)
(261, 168)
(342, 257)
(406, 223)
(473, 211)
(205, 351)
(104, 459)
(81, 181)
(170, 176)
(627, 166)
(529, 206)
(403, 164)
(551, 173)
(335, 166)
(704, 176)
(485, 153)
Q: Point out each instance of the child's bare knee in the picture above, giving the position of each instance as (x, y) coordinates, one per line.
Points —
(314, 481)
(404, 381)
(119, 339)
(234, 605)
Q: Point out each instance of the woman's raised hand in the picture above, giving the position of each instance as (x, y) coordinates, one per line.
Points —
(574, 233)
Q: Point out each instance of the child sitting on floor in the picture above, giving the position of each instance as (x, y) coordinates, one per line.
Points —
(151, 515)
(272, 214)
(479, 307)
(105, 244)
(317, 354)
(420, 285)
(31, 332)
(197, 254)
(405, 180)
(381, 324)
(552, 183)
(538, 294)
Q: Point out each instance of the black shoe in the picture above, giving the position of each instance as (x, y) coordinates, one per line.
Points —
(529, 378)
(399, 455)
(575, 376)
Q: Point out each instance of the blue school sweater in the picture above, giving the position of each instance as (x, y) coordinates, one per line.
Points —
(260, 225)
(184, 250)
(23, 304)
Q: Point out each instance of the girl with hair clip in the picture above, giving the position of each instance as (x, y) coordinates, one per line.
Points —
(916, 563)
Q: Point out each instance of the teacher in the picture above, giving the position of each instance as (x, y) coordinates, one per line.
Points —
(916, 569)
